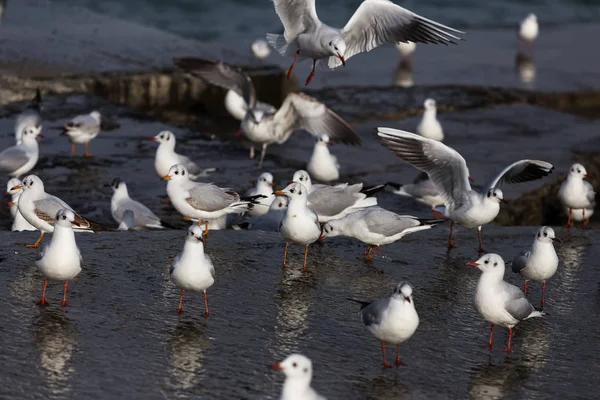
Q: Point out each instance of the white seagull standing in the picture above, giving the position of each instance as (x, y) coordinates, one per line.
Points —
(300, 224)
(323, 166)
(121, 202)
(264, 187)
(271, 220)
(375, 227)
(539, 263)
(392, 320)
(19, 223)
(499, 302)
(202, 201)
(60, 260)
(528, 31)
(262, 127)
(29, 117)
(374, 23)
(430, 127)
(83, 129)
(166, 157)
(334, 202)
(575, 193)
(448, 171)
(298, 375)
(19, 159)
(37, 206)
(193, 269)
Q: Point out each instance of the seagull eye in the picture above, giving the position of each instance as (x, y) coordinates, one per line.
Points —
(305, 370)
(294, 365)
(495, 264)
(489, 194)
(300, 192)
(292, 190)
(578, 171)
(539, 235)
(545, 234)
(162, 136)
(168, 137)
(486, 262)
(330, 42)
(335, 47)
(182, 173)
(176, 172)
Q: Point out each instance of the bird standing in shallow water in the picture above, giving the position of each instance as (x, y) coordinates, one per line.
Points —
(575, 193)
(60, 260)
(193, 269)
(298, 374)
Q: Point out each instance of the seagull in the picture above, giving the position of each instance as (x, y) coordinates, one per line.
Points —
(406, 49)
(121, 202)
(423, 192)
(298, 374)
(37, 206)
(202, 201)
(499, 302)
(374, 23)
(192, 269)
(430, 127)
(392, 320)
(166, 157)
(261, 127)
(272, 219)
(260, 49)
(264, 187)
(83, 129)
(19, 223)
(539, 263)
(448, 171)
(334, 202)
(575, 193)
(19, 159)
(323, 166)
(300, 224)
(60, 260)
(528, 31)
(376, 226)
(29, 117)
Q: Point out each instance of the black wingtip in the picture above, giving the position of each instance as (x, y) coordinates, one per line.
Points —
(253, 199)
(372, 190)
(363, 304)
(190, 63)
(167, 225)
(393, 185)
(432, 221)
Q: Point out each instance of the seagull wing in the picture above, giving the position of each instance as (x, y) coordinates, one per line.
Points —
(300, 111)
(444, 165)
(296, 16)
(376, 22)
(220, 74)
(522, 171)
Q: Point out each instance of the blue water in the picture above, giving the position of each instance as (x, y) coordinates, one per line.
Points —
(215, 20)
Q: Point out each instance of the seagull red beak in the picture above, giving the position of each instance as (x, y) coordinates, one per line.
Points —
(290, 182)
(587, 176)
(329, 143)
(16, 187)
(473, 264)
(470, 179)
(152, 138)
(556, 240)
(75, 223)
(239, 132)
(271, 184)
(11, 203)
(407, 298)
(276, 366)
(503, 201)
(342, 59)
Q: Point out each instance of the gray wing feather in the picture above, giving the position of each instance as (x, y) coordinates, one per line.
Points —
(522, 171)
(300, 111)
(208, 197)
(517, 304)
(12, 159)
(50, 205)
(331, 201)
(220, 74)
(296, 16)
(590, 193)
(387, 223)
(191, 166)
(376, 22)
(371, 314)
(520, 262)
(444, 165)
(143, 216)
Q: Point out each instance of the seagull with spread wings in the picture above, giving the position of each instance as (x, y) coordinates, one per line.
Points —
(374, 23)
(264, 127)
(448, 170)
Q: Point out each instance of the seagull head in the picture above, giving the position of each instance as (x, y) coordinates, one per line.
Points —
(331, 229)
(489, 263)
(96, 115)
(429, 104)
(293, 190)
(403, 292)
(337, 48)
(295, 366)
(65, 217)
(117, 185)
(12, 183)
(532, 17)
(546, 235)
(301, 176)
(176, 172)
(195, 234)
(265, 180)
(578, 170)
(30, 183)
(256, 116)
(166, 138)
(31, 133)
(495, 194)
(280, 203)
(324, 139)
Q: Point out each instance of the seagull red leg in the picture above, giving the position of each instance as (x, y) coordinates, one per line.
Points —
(180, 309)
(450, 241)
(64, 299)
(481, 250)
(312, 73)
(525, 287)
(289, 74)
(285, 250)
(305, 256)
(510, 333)
(491, 336)
(543, 291)
(370, 257)
(42, 301)
(398, 361)
(205, 304)
(37, 242)
(385, 363)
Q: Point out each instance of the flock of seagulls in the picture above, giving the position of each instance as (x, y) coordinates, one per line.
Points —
(305, 212)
